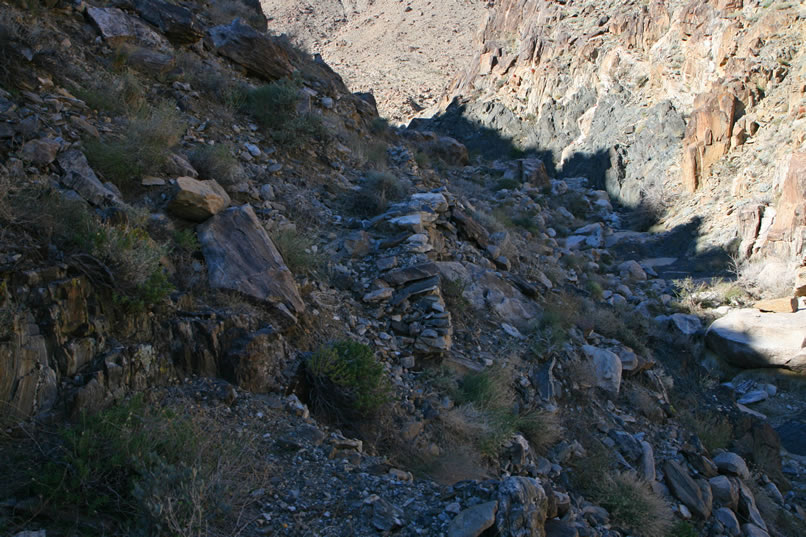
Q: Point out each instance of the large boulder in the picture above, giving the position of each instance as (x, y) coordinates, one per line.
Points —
(118, 28)
(260, 54)
(241, 257)
(607, 368)
(177, 23)
(522, 508)
(749, 338)
(198, 200)
(692, 493)
(80, 177)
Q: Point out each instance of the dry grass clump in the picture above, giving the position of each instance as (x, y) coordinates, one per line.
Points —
(123, 95)
(634, 506)
(134, 466)
(768, 277)
(143, 148)
(216, 162)
(378, 190)
(298, 252)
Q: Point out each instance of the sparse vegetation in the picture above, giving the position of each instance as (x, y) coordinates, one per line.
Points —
(215, 162)
(377, 191)
(714, 430)
(634, 505)
(274, 106)
(347, 379)
(298, 251)
(141, 150)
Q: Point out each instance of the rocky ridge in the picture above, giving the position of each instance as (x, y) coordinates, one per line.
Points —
(465, 269)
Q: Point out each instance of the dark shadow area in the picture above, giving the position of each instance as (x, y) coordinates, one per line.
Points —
(601, 168)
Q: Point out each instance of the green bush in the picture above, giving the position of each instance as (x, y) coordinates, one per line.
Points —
(142, 471)
(297, 252)
(215, 162)
(274, 105)
(142, 149)
(346, 373)
(375, 194)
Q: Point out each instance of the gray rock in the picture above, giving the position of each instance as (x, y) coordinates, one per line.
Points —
(632, 270)
(357, 244)
(749, 338)
(751, 530)
(561, 528)
(117, 27)
(473, 521)
(80, 177)
(261, 54)
(410, 274)
(647, 466)
(728, 520)
(686, 489)
(385, 516)
(748, 508)
(733, 464)
(241, 257)
(198, 200)
(755, 396)
(177, 23)
(606, 366)
(522, 506)
(40, 152)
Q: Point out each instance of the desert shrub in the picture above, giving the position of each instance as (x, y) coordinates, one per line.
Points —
(215, 162)
(185, 241)
(507, 184)
(768, 277)
(683, 528)
(297, 251)
(117, 95)
(714, 430)
(142, 149)
(624, 325)
(145, 470)
(480, 389)
(375, 194)
(453, 292)
(634, 505)
(274, 105)
(345, 374)
(376, 154)
(379, 126)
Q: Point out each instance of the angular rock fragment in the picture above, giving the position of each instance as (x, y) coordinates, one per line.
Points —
(260, 54)
(241, 257)
(198, 200)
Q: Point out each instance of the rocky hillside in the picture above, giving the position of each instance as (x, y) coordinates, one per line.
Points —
(692, 106)
(404, 53)
(235, 302)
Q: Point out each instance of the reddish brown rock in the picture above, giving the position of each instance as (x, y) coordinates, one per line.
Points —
(708, 136)
(778, 305)
(791, 209)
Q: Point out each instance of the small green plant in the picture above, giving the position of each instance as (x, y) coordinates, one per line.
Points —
(507, 184)
(142, 149)
(215, 162)
(375, 194)
(298, 252)
(346, 377)
(595, 289)
(379, 126)
(683, 528)
(186, 242)
(634, 505)
(274, 105)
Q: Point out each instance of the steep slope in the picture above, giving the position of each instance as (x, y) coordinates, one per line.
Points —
(402, 52)
(695, 106)
(234, 302)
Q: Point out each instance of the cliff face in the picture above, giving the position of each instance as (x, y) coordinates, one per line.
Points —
(699, 104)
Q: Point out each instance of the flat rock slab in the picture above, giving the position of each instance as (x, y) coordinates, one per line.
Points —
(262, 55)
(473, 521)
(778, 305)
(198, 200)
(80, 177)
(176, 22)
(117, 27)
(241, 257)
(748, 338)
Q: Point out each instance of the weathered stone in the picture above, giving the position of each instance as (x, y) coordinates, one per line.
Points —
(256, 361)
(748, 508)
(379, 295)
(357, 244)
(606, 368)
(410, 274)
(40, 152)
(632, 270)
(433, 200)
(748, 338)
(241, 257)
(752, 530)
(731, 463)
(198, 200)
(561, 528)
(686, 489)
(522, 506)
(800, 281)
(708, 135)
(262, 55)
(177, 23)
(416, 288)
(647, 465)
(80, 177)
(471, 227)
(754, 396)
(725, 516)
(473, 521)
(791, 209)
(725, 491)
(117, 28)
(778, 305)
